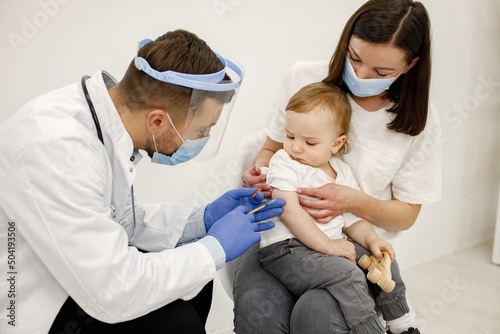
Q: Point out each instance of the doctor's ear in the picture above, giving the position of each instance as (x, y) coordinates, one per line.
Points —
(155, 119)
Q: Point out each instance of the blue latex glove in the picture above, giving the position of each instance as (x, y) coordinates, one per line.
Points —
(237, 231)
(235, 198)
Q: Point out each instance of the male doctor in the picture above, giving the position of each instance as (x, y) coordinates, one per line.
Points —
(71, 229)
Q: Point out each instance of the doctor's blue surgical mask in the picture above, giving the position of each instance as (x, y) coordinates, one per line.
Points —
(365, 87)
(187, 151)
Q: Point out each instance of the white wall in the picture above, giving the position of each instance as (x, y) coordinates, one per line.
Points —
(49, 43)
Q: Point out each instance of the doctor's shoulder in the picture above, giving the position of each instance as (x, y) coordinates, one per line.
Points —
(59, 114)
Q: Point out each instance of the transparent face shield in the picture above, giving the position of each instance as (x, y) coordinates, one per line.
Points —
(201, 128)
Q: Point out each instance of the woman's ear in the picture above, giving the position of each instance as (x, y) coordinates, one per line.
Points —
(411, 64)
(338, 143)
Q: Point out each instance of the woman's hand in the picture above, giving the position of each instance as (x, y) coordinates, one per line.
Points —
(254, 177)
(331, 201)
(342, 248)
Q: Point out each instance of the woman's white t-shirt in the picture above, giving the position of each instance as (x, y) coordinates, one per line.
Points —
(385, 163)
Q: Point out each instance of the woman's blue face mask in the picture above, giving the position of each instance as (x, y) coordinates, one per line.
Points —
(365, 87)
(187, 151)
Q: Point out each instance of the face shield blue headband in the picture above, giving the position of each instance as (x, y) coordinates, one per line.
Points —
(200, 84)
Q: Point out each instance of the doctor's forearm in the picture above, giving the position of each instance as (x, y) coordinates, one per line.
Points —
(390, 214)
(195, 226)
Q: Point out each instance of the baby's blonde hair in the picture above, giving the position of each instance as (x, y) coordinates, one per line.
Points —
(320, 94)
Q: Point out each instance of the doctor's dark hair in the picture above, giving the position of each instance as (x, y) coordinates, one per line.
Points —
(328, 98)
(180, 51)
(403, 24)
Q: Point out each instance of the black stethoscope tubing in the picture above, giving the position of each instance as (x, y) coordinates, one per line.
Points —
(92, 109)
(99, 135)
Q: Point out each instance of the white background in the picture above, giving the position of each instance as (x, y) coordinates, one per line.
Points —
(47, 44)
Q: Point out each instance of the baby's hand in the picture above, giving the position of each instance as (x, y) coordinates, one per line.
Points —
(342, 248)
(378, 245)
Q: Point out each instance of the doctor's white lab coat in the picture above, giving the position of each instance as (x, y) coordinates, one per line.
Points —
(65, 213)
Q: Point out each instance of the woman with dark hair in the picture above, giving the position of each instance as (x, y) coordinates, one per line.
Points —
(383, 63)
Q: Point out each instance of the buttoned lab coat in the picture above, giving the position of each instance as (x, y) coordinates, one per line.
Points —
(66, 196)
